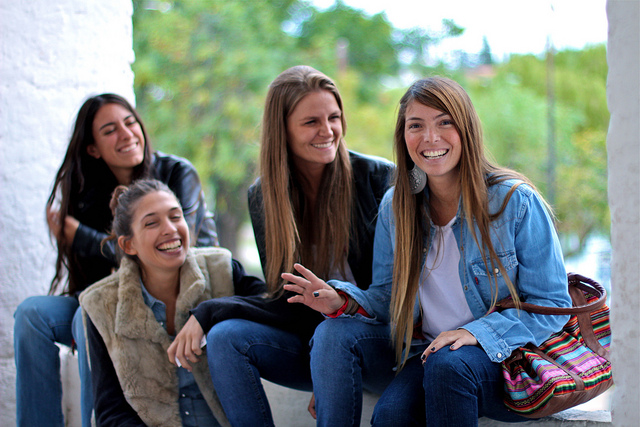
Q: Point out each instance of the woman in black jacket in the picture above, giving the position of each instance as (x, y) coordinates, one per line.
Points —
(315, 202)
(108, 147)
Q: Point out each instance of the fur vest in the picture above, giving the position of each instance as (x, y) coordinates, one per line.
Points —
(137, 343)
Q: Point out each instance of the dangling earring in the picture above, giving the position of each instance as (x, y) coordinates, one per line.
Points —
(417, 179)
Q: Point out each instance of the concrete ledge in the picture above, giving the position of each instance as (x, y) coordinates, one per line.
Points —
(568, 418)
(70, 387)
(289, 407)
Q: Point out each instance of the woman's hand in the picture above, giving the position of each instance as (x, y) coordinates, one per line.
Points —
(70, 225)
(312, 292)
(453, 339)
(312, 407)
(186, 347)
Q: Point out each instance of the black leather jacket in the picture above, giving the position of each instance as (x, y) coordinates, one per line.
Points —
(91, 208)
(372, 177)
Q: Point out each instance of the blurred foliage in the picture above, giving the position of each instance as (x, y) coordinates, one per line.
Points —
(202, 70)
(513, 107)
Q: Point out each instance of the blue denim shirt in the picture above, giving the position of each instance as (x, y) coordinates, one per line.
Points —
(193, 408)
(526, 242)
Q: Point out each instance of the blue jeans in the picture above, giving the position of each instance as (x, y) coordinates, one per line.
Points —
(40, 322)
(195, 412)
(240, 352)
(348, 355)
(453, 388)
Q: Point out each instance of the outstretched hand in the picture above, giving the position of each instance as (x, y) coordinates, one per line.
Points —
(312, 292)
(186, 347)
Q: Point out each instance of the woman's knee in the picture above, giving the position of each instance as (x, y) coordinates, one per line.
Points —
(344, 332)
(223, 333)
(449, 369)
(28, 315)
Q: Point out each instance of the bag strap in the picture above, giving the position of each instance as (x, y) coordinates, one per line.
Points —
(586, 326)
(574, 281)
(577, 285)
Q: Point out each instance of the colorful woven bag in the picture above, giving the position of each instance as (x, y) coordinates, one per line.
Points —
(569, 368)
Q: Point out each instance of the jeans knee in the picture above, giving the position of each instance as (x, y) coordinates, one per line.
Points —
(229, 335)
(26, 315)
(333, 334)
(218, 335)
(445, 369)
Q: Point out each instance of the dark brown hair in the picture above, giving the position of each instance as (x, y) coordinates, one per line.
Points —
(79, 168)
(123, 204)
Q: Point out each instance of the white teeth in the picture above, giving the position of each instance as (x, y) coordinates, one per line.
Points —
(434, 154)
(170, 245)
(325, 145)
(129, 148)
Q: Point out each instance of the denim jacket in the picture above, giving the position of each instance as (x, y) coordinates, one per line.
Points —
(526, 242)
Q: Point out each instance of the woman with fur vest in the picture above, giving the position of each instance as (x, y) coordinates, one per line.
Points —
(133, 314)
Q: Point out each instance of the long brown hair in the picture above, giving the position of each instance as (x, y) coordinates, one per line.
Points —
(288, 234)
(77, 169)
(412, 214)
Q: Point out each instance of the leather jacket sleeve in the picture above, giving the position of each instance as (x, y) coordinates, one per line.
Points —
(88, 242)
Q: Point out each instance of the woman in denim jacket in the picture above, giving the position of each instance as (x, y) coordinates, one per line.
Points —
(470, 234)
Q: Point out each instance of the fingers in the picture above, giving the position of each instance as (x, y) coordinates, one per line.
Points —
(53, 221)
(184, 357)
(175, 352)
(452, 339)
(308, 274)
(186, 348)
(295, 298)
(312, 406)
(295, 288)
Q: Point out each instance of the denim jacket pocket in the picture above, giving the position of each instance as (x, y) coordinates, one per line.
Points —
(483, 280)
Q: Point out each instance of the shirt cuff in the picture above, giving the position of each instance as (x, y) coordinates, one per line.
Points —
(342, 310)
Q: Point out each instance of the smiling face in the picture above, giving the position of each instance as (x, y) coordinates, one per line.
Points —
(314, 130)
(118, 140)
(160, 234)
(433, 142)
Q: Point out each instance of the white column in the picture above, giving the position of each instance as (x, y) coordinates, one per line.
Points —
(623, 150)
(53, 54)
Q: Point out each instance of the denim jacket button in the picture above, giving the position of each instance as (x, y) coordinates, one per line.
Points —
(496, 270)
(499, 355)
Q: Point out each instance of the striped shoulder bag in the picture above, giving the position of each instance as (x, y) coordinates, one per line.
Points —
(569, 368)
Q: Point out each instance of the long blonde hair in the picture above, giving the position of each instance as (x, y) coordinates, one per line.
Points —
(291, 230)
(412, 214)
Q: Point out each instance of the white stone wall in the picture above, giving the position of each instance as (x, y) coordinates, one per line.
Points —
(623, 150)
(53, 54)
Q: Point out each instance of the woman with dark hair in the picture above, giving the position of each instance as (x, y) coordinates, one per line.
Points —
(108, 147)
(454, 235)
(315, 202)
(133, 314)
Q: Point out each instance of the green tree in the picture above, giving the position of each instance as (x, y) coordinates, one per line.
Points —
(363, 43)
(513, 108)
(201, 72)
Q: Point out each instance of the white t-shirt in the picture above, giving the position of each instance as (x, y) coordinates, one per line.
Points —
(444, 307)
